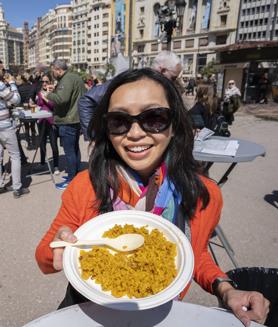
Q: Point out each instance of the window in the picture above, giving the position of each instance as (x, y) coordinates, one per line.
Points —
(141, 48)
(221, 39)
(203, 41)
(189, 43)
(141, 32)
(201, 61)
(223, 20)
(188, 64)
(154, 47)
(177, 44)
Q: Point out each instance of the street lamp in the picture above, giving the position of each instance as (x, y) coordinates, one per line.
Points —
(170, 16)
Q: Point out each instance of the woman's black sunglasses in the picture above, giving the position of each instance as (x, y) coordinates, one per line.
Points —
(155, 120)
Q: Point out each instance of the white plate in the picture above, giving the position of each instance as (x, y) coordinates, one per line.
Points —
(97, 226)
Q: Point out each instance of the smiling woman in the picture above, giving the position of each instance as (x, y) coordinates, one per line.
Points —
(143, 144)
(142, 159)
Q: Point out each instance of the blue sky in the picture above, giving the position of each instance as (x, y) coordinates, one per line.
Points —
(18, 11)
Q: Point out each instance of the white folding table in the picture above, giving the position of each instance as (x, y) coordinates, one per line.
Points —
(247, 151)
(28, 116)
(174, 313)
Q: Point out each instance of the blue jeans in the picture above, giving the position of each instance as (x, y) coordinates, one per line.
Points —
(69, 135)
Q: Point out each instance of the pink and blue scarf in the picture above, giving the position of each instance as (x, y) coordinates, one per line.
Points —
(159, 196)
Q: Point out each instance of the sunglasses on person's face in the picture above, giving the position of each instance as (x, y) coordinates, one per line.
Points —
(153, 121)
(231, 83)
(46, 82)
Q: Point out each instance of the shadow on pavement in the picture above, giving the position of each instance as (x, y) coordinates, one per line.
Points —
(272, 199)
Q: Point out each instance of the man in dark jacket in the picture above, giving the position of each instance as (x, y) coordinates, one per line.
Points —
(88, 104)
(65, 97)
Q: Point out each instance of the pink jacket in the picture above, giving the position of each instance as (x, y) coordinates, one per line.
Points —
(45, 105)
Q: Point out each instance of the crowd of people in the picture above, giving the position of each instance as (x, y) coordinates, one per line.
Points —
(54, 89)
(73, 102)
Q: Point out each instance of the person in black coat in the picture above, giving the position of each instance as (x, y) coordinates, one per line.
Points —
(203, 112)
(26, 91)
(87, 105)
(207, 111)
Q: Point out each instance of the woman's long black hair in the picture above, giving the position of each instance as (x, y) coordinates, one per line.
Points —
(183, 170)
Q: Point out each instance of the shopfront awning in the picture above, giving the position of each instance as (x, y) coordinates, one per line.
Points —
(248, 51)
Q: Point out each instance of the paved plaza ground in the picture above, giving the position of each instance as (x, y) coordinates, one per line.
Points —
(250, 222)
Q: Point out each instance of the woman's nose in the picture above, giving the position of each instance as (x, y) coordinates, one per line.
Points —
(136, 131)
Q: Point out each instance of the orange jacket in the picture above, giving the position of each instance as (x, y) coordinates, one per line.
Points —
(77, 208)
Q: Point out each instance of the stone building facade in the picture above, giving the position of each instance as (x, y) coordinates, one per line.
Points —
(205, 26)
(258, 20)
(11, 44)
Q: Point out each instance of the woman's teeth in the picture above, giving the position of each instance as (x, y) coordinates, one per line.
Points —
(138, 149)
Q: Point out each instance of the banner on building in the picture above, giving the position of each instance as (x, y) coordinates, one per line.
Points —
(192, 20)
(206, 16)
(156, 25)
(118, 38)
(120, 16)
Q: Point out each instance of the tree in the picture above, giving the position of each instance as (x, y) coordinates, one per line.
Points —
(84, 75)
(209, 69)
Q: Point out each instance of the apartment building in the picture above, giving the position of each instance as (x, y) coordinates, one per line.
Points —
(15, 47)
(51, 37)
(45, 24)
(258, 20)
(99, 34)
(33, 53)
(91, 33)
(61, 33)
(11, 44)
(3, 38)
(26, 44)
(80, 13)
(205, 26)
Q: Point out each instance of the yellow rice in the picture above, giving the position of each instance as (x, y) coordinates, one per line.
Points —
(145, 272)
